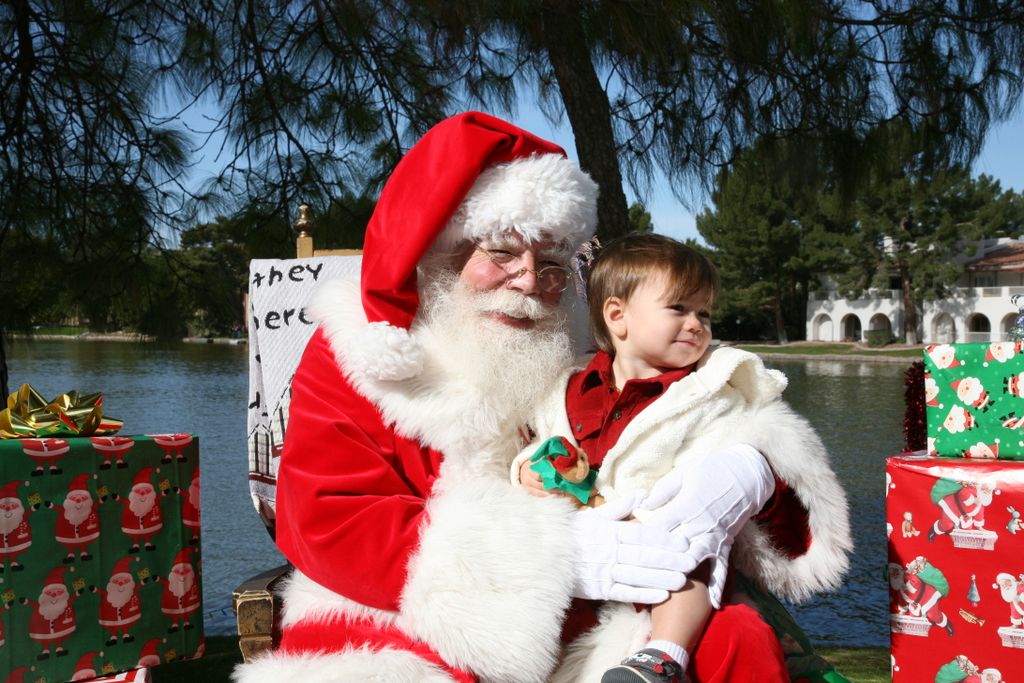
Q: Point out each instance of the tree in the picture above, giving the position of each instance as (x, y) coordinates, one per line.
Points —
(912, 226)
(769, 237)
(88, 172)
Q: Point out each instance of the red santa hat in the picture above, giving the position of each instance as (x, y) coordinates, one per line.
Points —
(150, 655)
(470, 176)
(10, 489)
(182, 557)
(144, 476)
(86, 666)
(56, 577)
(18, 675)
(79, 483)
(123, 566)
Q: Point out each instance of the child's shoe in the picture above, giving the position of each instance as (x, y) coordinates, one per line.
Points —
(646, 666)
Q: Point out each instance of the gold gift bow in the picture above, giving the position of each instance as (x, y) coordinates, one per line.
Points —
(29, 415)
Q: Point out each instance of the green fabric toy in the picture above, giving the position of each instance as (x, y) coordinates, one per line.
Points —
(563, 467)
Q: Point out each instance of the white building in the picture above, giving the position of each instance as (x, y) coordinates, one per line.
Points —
(979, 307)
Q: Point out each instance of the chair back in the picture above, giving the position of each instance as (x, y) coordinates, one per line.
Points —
(279, 329)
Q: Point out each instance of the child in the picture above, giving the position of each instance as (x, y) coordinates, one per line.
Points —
(653, 400)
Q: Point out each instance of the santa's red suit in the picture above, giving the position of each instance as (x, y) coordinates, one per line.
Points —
(416, 560)
(77, 536)
(962, 509)
(114, 618)
(48, 632)
(190, 507)
(922, 599)
(141, 527)
(17, 541)
(180, 607)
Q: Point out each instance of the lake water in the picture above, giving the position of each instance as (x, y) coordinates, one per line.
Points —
(202, 388)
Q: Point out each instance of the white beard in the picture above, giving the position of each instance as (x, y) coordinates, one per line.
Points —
(505, 368)
(140, 506)
(118, 596)
(52, 610)
(9, 523)
(179, 584)
(193, 496)
(74, 514)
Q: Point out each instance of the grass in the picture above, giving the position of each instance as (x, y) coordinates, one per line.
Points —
(861, 665)
(835, 349)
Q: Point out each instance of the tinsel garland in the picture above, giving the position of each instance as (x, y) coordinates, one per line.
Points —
(915, 429)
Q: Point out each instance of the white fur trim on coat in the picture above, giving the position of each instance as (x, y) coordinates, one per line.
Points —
(374, 351)
(382, 666)
(539, 196)
(492, 579)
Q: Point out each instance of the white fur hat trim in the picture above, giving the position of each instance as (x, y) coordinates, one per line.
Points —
(539, 196)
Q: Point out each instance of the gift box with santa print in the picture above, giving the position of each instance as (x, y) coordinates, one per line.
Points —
(100, 558)
(974, 400)
(956, 568)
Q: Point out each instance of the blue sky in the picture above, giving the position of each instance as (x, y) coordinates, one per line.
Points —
(1002, 157)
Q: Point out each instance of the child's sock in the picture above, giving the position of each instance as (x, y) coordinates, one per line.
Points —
(672, 650)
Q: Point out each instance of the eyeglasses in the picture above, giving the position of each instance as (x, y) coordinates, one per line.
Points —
(550, 279)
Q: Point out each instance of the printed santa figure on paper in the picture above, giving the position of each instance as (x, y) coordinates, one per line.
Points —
(190, 509)
(1002, 351)
(919, 591)
(1011, 590)
(18, 675)
(173, 445)
(112, 447)
(78, 525)
(963, 670)
(53, 617)
(141, 518)
(45, 453)
(15, 531)
(120, 607)
(972, 392)
(962, 512)
(180, 599)
(943, 356)
(150, 655)
(85, 669)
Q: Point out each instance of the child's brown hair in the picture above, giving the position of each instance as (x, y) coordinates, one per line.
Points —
(628, 261)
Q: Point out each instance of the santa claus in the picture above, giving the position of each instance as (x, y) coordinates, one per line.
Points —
(1012, 591)
(962, 505)
(180, 599)
(919, 592)
(78, 525)
(394, 503)
(45, 453)
(53, 620)
(15, 531)
(85, 668)
(190, 509)
(150, 654)
(141, 518)
(120, 607)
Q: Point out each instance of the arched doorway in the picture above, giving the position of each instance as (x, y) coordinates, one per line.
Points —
(943, 329)
(979, 329)
(1007, 324)
(851, 328)
(822, 328)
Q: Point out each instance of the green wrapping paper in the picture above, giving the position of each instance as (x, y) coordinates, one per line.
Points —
(100, 559)
(974, 400)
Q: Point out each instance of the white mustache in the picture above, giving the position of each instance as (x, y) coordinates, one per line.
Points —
(512, 304)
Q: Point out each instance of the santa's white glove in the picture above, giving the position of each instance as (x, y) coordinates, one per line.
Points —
(707, 501)
(622, 560)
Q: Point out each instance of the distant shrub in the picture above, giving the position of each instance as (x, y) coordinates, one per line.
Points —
(877, 337)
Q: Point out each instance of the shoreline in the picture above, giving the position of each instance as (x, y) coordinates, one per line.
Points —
(858, 354)
(122, 337)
